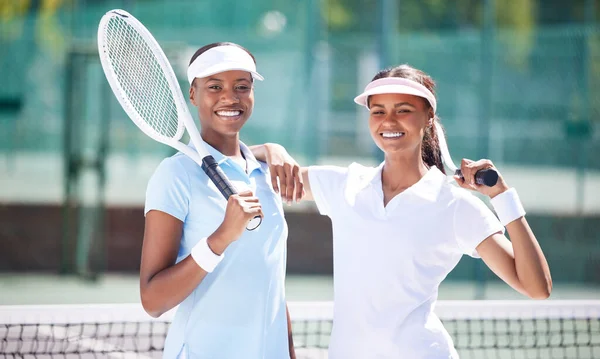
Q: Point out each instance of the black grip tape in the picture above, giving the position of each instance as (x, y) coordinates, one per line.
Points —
(487, 177)
(216, 175)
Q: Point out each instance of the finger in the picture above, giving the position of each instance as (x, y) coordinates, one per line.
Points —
(463, 183)
(460, 181)
(252, 209)
(299, 187)
(480, 165)
(274, 180)
(467, 172)
(282, 183)
(287, 172)
(483, 163)
(252, 199)
(253, 212)
(246, 193)
(289, 179)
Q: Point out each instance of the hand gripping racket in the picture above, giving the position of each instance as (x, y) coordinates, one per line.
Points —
(487, 177)
(145, 84)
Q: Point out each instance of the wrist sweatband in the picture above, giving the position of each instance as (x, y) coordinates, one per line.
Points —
(205, 257)
(508, 206)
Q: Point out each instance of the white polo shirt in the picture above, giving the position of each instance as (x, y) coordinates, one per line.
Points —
(389, 261)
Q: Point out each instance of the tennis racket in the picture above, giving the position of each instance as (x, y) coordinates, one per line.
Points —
(145, 84)
(487, 177)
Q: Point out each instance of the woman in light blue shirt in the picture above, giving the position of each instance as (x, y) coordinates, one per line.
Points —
(228, 282)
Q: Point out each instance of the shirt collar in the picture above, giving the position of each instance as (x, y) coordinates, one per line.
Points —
(428, 187)
(253, 163)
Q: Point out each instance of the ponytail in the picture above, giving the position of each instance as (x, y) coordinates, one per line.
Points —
(431, 153)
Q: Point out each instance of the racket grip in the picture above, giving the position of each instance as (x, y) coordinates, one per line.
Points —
(216, 175)
(487, 177)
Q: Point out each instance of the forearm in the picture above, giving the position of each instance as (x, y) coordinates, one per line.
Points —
(169, 287)
(259, 151)
(530, 263)
(287, 177)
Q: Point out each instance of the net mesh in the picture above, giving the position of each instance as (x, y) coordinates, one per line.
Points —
(480, 329)
(141, 77)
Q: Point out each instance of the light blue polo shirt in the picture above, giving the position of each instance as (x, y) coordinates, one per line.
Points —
(238, 310)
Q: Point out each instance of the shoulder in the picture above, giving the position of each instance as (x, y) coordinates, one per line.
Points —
(326, 175)
(178, 162)
(353, 171)
(464, 197)
(354, 176)
(466, 205)
(169, 188)
(173, 168)
(328, 170)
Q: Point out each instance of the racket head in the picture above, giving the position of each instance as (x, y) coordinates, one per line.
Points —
(141, 77)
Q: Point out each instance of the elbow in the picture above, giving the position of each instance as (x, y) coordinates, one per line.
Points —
(542, 292)
(540, 295)
(153, 313)
(151, 306)
(151, 309)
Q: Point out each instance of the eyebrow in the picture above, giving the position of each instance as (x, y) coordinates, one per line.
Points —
(238, 80)
(396, 105)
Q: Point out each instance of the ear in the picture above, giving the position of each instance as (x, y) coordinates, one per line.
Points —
(431, 117)
(192, 94)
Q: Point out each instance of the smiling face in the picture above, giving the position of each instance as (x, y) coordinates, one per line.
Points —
(397, 122)
(224, 101)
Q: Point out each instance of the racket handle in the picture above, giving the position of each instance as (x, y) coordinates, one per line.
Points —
(487, 177)
(216, 175)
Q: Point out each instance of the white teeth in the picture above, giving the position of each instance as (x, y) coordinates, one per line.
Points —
(228, 113)
(392, 134)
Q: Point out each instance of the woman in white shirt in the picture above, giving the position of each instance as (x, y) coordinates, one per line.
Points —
(400, 228)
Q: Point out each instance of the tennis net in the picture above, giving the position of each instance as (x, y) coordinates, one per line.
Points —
(480, 329)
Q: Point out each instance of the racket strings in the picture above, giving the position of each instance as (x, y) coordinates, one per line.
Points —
(142, 78)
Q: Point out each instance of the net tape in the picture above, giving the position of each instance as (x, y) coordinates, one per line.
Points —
(480, 329)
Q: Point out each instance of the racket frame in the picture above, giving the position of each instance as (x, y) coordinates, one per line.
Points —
(185, 121)
(487, 176)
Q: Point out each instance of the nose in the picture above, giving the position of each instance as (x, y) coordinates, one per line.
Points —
(389, 117)
(229, 96)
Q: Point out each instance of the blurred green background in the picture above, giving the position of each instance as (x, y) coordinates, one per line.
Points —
(518, 82)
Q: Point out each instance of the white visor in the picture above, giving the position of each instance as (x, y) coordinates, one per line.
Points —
(408, 87)
(221, 59)
(395, 85)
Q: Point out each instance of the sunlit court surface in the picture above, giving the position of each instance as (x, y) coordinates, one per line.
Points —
(517, 83)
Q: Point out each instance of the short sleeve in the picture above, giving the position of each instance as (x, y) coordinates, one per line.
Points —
(326, 185)
(169, 189)
(473, 222)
